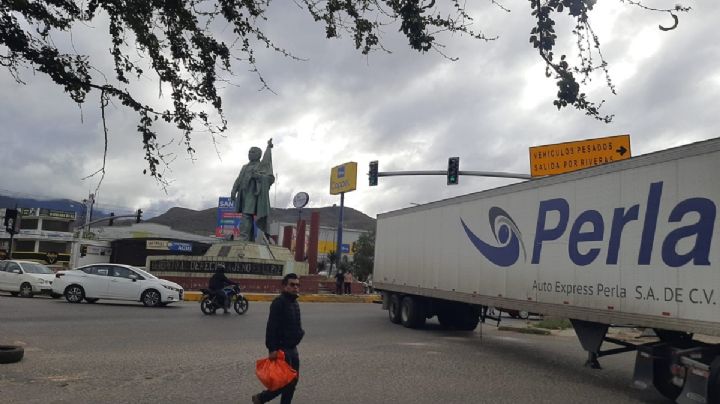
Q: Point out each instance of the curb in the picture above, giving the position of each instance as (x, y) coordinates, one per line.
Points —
(268, 297)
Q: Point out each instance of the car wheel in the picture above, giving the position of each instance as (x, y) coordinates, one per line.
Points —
(26, 290)
(91, 300)
(151, 298)
(74, 294)
(241, 305)
(11, 353)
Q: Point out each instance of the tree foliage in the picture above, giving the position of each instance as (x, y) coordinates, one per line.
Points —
(179, 41)
(364, 256)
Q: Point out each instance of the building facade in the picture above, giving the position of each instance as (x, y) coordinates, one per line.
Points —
(46, 236)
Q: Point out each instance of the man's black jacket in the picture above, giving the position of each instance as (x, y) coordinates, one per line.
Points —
(284, 328)
(219, 280)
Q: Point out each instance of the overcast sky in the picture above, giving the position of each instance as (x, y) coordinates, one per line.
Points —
(407, 110)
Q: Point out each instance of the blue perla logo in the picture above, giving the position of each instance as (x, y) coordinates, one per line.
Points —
(682, 237)
(507, 235)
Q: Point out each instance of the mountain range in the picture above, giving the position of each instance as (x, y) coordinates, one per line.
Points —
(203, 221)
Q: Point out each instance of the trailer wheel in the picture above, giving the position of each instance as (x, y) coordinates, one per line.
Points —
(412, 313)
(394, 309)
(714, 382)
(663, 378)
(445, 319)
(466, 317)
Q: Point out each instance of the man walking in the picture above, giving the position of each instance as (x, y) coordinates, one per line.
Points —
(284, 331)
(339, 282)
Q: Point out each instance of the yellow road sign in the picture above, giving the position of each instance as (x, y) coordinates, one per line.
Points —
(571, 156)
(343, 178)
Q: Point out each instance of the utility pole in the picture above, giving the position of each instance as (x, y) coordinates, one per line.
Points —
(88, 211)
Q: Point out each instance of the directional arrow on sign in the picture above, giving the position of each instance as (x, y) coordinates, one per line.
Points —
(622, 150)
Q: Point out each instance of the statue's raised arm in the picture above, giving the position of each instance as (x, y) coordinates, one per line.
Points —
(266, 163)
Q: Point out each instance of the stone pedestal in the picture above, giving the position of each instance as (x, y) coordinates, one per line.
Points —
(256, 263)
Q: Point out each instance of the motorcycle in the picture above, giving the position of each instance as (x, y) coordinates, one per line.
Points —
(209, 303)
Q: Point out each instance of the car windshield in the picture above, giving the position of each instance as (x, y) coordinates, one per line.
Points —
(145, 275)
(33, 268)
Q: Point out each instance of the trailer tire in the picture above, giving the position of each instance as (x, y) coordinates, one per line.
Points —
(412, 312)
(459, 316)
(714, 381)
(445, 318)
(662, 378)
(466, 317)
(394, 309)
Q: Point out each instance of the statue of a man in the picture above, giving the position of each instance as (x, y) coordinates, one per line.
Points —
(251, 191)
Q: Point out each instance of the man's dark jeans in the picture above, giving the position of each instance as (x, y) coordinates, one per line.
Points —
(293, 359)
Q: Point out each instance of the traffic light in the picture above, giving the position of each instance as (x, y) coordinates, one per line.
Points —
(83, 250)
(373, 174)
(12, 221)
(453, 171)
(112, 218)
(139, 215)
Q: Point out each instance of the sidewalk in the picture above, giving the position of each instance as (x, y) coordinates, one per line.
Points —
(315, 298)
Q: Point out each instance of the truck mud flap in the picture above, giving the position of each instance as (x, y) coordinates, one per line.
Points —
(700, 380)
(644, 373)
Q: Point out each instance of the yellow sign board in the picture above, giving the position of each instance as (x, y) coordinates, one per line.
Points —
(572, 156)
(343, 178)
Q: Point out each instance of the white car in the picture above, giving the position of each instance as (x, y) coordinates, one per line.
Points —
(25, 278)
(115, 281)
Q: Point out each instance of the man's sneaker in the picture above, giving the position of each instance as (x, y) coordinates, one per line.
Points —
(256, 399)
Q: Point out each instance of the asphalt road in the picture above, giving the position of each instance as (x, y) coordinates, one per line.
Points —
(126, 353)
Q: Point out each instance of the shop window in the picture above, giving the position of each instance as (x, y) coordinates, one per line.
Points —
(55, 225)
(28, 224)
(54, 246)
(24, 245)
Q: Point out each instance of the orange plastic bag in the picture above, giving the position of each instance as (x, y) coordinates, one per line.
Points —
(275, 374)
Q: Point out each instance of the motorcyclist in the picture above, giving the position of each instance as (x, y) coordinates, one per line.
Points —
(216, 284)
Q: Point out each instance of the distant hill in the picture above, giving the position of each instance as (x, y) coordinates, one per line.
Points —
(203, 222)
(54, 204)
(200, 222)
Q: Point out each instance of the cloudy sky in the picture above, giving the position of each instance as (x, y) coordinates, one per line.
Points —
(407, 110)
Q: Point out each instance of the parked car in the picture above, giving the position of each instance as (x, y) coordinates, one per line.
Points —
(117, 282)
(25, 278)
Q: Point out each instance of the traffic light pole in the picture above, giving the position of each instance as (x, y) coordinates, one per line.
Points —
(444, 172)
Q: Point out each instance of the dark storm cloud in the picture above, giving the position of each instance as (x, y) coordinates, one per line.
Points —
(405, 109)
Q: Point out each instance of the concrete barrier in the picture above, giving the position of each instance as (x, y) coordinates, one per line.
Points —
(311, 298)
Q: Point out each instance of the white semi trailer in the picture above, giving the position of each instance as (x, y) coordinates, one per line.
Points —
(630, 243)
